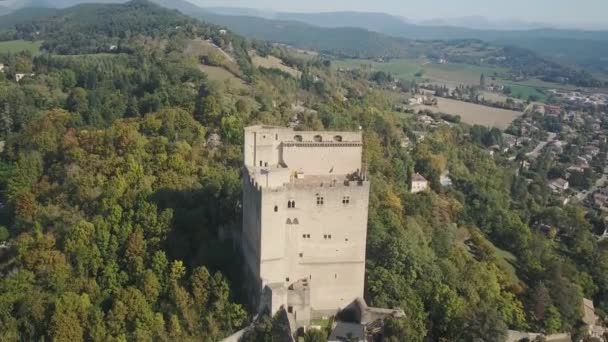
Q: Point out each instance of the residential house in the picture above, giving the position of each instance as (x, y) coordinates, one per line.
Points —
(419, 183)
(559, 185)
(581, 162)
(554, 110)
(540, 109)
(19, 77)
(600, 201)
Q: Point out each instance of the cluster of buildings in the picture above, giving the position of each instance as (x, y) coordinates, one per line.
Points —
(422, 99)
(305, 207)
(18, 76)
(580, 98)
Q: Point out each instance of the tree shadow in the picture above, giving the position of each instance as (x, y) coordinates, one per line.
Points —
(203, 232)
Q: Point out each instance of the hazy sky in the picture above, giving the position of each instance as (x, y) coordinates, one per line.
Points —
(562, 11)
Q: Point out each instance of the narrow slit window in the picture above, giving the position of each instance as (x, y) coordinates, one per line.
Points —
(276, 208)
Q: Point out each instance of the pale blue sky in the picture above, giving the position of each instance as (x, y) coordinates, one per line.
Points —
(556, 11)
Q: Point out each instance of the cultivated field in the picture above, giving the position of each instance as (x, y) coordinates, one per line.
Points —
(451, 75)
(474, 114)
(14, 46)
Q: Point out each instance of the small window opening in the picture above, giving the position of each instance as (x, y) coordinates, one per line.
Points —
(290, 309)
(304, 236)
(329, 236)
(260, 163)
(308, 236)
(338, 138)
(297, 138)
(288, 221)
(319, 200)
(336, 276)
(287, 279)
(295, 221)
(266, 164)
(318, 138)
(346, 200)
(276, 208)
(288, 204)
(276, 137)
(325, 236)
(301, 255)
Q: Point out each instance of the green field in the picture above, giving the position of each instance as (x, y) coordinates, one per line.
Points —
(223, 76)
(422, 70)
(522, 91)
(14, 46)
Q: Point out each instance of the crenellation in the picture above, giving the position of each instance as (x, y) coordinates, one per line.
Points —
(305, 218)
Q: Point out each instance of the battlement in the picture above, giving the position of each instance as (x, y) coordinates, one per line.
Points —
(312, 152)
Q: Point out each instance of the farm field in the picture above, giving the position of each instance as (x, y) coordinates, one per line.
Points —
(14, 46)
(451, 75)
(522, 91)
(474, 114)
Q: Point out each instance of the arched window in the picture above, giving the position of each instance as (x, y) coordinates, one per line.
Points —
(297, 138)
(338, 138)
(288, 204)
(288, 221)
(318, 138)
(276, 208)
(293, 204)
(295, 221)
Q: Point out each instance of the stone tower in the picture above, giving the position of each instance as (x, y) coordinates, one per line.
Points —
(305, 206)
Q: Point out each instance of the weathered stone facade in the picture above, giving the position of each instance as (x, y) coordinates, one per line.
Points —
(305, 205)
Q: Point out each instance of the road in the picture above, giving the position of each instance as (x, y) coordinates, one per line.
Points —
(536, 151)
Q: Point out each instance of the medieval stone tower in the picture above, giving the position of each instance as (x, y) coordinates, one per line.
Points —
(305, 206)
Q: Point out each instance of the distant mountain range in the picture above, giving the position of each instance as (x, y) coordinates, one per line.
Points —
(587, 48)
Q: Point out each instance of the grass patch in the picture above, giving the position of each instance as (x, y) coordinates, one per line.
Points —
(222, 75)
(524, 92)
(272, 62)
(503, 259)
(15, 46)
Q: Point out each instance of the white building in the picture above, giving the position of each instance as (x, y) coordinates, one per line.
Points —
(305, 205)
(419, 183)
(19, 77)
(2, 66)
(559, 185)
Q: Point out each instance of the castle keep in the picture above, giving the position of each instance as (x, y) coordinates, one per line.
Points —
(305, 204)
